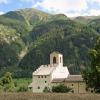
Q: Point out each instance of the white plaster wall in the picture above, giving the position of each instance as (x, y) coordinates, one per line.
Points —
(40, 82)
(78, 87)
(82, 87)
(61, 63)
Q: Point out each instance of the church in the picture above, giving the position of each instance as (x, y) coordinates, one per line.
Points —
(54, 74)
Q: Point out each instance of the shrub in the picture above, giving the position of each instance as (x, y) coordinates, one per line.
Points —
(15, 84)
(7, 78)
(22, 89)
(61, 89)
(46, 90)
(9, 88)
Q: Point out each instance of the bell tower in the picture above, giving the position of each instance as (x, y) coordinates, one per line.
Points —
(56, 58)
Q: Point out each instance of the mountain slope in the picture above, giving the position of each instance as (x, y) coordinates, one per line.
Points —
(28, 36)
(95, 24)
(85, 19)
(72, 39)
(10, 47)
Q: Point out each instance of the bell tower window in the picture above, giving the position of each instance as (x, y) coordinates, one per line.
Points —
(60, 59)
(54, 60)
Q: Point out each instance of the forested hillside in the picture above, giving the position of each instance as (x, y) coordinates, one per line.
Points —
(28, 36)
(72, 39)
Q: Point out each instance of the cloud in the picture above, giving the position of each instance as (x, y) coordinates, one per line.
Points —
(26, 0)
(63, 5)
(94, 12)
(33, 2)
(1, 12)
(75, 14)
(96, 1)
(4, 1)
(68, 7)
(30, 1)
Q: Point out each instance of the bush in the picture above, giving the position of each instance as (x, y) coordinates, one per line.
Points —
(9, 88)
(15, 84)
(61, 89)
(7, 78)
(46, 90)
(22, 89)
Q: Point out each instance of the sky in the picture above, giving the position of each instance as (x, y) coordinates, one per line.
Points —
(71, 8)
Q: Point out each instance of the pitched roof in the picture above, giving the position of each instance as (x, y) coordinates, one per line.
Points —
(44, 70)
(70, 78)
(56, 52)
(58, 80)
(74, 78)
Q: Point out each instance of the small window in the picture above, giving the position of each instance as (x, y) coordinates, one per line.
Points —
(41, 76)
(45, 76)
(38, 87)
(38, 76)
(30, 88)
(72, 84)
(80, 84)
(91, 91)
(45, 81)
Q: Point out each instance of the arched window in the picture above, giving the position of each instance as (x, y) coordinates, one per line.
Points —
(54, 60)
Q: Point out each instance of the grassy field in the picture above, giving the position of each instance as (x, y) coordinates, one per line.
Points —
(23, 81)
(31, 96)
(16, 85)
(43, 96)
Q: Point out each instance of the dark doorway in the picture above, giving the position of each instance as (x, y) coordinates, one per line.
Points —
(54, 60)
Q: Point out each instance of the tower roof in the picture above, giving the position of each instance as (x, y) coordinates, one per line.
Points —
(56, 52)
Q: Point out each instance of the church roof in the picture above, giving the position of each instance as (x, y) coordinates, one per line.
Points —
(70, 78)
(74, 78)
(44, 70)
(58, 80)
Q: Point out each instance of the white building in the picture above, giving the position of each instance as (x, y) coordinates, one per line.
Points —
(53, 74)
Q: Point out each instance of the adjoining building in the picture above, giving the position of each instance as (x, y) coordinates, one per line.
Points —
(54, 74)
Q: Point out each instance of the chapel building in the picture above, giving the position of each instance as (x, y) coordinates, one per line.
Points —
(54, 74)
